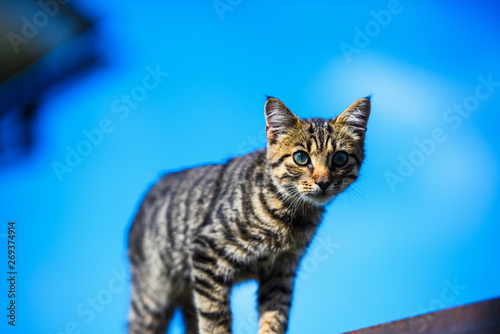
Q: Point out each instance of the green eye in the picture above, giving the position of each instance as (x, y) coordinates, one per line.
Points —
(339, 159)
(301, 158)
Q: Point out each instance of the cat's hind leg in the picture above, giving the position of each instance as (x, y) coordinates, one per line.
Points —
(152, 306)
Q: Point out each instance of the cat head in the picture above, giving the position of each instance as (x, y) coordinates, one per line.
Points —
(315, 159)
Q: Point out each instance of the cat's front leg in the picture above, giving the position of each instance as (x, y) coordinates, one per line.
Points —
(211, 290)
(275, 296)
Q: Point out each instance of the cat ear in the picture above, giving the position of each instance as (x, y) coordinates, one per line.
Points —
(356, 116)
(279, 119)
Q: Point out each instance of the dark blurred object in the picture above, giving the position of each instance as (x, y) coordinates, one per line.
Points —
(42, 44)
(478, 318)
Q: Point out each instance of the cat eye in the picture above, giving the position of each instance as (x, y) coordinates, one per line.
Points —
(340, 159)
(301, 158)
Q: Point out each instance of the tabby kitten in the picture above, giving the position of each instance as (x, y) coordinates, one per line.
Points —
(199, 231)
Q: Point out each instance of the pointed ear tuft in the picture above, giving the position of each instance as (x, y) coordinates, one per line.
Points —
(279, 119)
(356, 116)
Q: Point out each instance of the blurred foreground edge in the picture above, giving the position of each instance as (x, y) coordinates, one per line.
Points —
(45, 47)
(477, 318)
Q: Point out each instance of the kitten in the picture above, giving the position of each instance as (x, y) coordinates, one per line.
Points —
(199, 231)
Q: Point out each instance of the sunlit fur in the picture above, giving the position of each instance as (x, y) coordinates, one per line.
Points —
(201, 230)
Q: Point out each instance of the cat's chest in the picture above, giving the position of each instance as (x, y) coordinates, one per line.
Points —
(250, 269)
(247, 265)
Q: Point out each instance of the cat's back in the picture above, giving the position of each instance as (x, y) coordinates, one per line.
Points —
(188, 182)
(180, 201)
(188, 188)
(204, 183)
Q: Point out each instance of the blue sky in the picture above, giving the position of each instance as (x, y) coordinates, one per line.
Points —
(418, 231)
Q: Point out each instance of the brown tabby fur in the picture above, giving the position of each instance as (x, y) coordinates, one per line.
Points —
(199, 231)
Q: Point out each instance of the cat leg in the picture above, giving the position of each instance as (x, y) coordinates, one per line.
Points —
(275, 296)
(150, 310)
(188, 310)
(211, 289)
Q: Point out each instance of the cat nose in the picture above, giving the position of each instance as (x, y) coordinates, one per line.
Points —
(323, 184)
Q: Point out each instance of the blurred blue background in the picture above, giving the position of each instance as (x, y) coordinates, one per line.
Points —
(419, 230)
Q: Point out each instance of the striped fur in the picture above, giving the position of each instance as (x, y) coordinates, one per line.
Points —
(201, 230)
